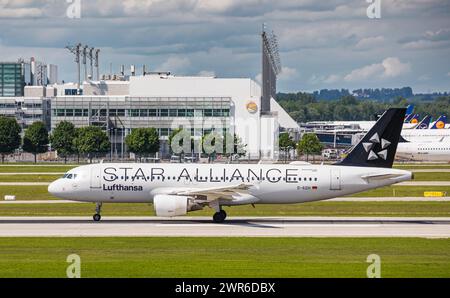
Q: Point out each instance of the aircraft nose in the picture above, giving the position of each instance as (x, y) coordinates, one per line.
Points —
(55, 188)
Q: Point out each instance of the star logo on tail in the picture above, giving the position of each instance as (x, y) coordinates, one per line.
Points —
(375, 139)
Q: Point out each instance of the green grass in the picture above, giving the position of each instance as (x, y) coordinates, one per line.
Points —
(224, 257)
(26, 192)
(36, 168)
(422, 166)
(28, 178)
(437, 209)
(432, 176)
(401, 191)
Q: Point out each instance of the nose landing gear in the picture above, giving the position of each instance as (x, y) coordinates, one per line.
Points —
(98, 208)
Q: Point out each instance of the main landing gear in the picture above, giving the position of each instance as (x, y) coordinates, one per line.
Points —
(220, 216)
(98, 209)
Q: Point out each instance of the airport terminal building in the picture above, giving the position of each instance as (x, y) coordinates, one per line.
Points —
(198, 104)
(166, 102)
(118, 103)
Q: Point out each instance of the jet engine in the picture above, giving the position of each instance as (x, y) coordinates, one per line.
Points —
(171, 205)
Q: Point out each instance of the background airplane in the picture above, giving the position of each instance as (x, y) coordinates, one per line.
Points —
(428, 151)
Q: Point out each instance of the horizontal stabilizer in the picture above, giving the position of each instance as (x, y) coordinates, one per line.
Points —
(380, 176)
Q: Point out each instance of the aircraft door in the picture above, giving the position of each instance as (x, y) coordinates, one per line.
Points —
(335, 179)
(96, 172)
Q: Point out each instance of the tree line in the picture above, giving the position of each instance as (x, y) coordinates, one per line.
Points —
(66, 139)
(308, 145)
(88, 141)
(305, 107)
(379, 94)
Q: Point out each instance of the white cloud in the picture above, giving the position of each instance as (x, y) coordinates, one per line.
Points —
(316, 79)
(20, 12)
(448, 74)
(175, 64)
(389, 68)
(320, 40)
(287, 73)
(393, 67)
(332, 79)
(430, 39)
(424, 44)
(370, 42)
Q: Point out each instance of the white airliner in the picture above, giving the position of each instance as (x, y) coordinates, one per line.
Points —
(175, 189)
(426, 135)
(432, 151)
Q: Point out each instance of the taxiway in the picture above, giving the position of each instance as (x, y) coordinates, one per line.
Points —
(429, 227)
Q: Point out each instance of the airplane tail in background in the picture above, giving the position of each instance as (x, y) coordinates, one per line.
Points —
(409, 109)
(409, 113)
(425, 123)
(415, 119)
(408, 118)
(440, 122)
(378, 147)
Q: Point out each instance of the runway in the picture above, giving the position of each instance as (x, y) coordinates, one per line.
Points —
(233, 227)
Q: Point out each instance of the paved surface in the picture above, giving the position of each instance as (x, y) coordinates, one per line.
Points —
(359, 199)
(233, 227)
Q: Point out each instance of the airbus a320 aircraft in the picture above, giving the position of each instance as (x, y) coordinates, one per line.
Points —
(176, 189)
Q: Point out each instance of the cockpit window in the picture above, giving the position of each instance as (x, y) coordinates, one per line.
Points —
(69, 176)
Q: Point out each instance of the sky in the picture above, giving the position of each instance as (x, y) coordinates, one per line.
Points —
(322, 44)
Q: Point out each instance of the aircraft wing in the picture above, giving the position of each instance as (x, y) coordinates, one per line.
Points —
(214, 193)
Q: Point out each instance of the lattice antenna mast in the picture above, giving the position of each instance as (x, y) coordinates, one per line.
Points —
(85, 53)
(76, 51)
(96, 52)
(270, 41)
(91, 61)
(271, 67)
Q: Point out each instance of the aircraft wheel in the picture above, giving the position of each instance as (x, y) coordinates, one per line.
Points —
(219, 217)
(224, 214)
(97, 217)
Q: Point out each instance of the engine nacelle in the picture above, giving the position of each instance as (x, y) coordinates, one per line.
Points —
(170, 205)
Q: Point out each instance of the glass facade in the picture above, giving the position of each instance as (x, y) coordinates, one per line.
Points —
(119, 115)
(11, 79)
